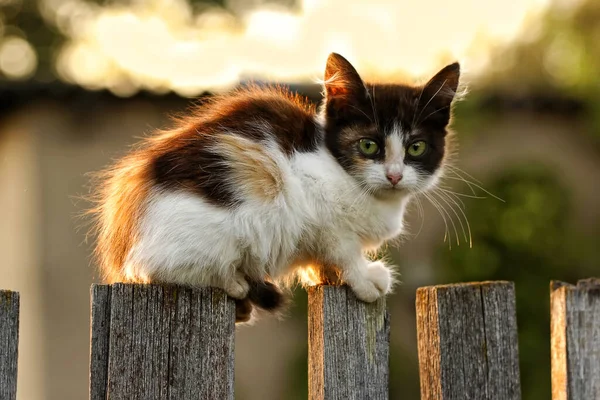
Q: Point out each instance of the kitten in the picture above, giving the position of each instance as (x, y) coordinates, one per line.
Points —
(256, 184)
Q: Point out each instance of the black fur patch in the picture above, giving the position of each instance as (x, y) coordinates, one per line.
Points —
(189, 165)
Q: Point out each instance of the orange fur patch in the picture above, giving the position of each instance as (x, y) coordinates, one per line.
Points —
(119, 208)
(255, 171)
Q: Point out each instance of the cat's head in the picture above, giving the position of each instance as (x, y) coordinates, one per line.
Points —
(390, 138)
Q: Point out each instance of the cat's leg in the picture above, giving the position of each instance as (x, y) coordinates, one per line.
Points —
(368, 280)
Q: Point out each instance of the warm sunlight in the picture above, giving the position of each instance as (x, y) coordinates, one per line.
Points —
(165, 45)
(308, 276)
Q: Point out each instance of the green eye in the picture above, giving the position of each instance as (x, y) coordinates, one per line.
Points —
(368, 147)
(417, 149)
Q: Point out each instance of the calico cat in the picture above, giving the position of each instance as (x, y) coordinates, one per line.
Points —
(257, 183)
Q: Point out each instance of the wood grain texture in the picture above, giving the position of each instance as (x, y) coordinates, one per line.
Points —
(161, 342)
(9, 343)
(467, 342)
(100, 314)
(348, 346)
(575, 341)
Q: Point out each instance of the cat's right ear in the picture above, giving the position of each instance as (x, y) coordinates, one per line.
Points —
(344, 89)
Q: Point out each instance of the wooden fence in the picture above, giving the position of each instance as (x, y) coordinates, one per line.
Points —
(166, 342)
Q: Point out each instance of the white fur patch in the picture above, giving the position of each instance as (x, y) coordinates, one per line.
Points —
(394, 152)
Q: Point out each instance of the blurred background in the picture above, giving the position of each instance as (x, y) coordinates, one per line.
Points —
(80, 80)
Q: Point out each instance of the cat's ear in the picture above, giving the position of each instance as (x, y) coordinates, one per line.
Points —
(344, 89)
(438, 94)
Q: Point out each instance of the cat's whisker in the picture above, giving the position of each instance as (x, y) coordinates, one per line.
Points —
(420, 212)
(437, 207)
(458, 169)
(453, 201)
(460, 178)
(472, 180)
(461, 203)
(446, 189)
(451, 206)
(466, 219)
(449, 217)
(469, 183)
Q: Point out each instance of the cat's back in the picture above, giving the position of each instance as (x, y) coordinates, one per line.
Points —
(235, 147)
(267, 113)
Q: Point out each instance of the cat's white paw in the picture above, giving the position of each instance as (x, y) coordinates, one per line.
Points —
(238, 287)
(376, 283)
(366, 291)
(381, 276)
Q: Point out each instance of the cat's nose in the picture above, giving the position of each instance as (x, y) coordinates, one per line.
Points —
(394, 177)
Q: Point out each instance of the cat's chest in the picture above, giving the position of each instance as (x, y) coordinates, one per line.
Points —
(375, 222)
(337, 206)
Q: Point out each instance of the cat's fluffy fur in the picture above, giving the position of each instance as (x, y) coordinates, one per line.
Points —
(256, 183)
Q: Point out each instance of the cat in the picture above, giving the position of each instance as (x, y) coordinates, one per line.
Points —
(257, 183)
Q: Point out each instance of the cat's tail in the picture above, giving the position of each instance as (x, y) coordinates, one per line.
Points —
(264, 295)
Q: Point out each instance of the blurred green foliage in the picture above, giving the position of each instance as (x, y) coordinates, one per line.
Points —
(527, 239)
(559, 52)
(557, 55)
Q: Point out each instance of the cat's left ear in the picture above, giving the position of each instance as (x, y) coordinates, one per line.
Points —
(345, 91)
(439, 93)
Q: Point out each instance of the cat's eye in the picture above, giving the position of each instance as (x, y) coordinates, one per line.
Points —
(368, 147)
(417, 149)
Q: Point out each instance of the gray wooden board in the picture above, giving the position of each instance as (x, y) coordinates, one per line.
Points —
(100, 314)
(575, 342)
(467, 341)
(161, 342)
(348, 345)
(9, 343)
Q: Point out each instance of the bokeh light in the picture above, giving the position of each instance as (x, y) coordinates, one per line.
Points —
(18, 59)
(169, 44)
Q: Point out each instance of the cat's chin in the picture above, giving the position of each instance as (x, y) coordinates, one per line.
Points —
(391, 193)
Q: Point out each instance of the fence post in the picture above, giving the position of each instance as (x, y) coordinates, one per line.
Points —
(575, 342)
(467, 341)
(348, 345)
(9, 341)
(161, 342)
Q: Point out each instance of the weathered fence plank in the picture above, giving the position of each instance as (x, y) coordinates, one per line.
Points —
(348, 345)
(9, 341)
(161, 342)
(467, 342)
(575, 328)
(100, 312)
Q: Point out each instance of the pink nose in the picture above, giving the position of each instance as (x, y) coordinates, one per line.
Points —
(394, 178)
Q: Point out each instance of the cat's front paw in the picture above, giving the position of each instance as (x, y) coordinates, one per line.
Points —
(381, 276)
(376, 283)
(366, 291)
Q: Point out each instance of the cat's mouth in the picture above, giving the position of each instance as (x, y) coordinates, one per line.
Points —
(390, 190)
